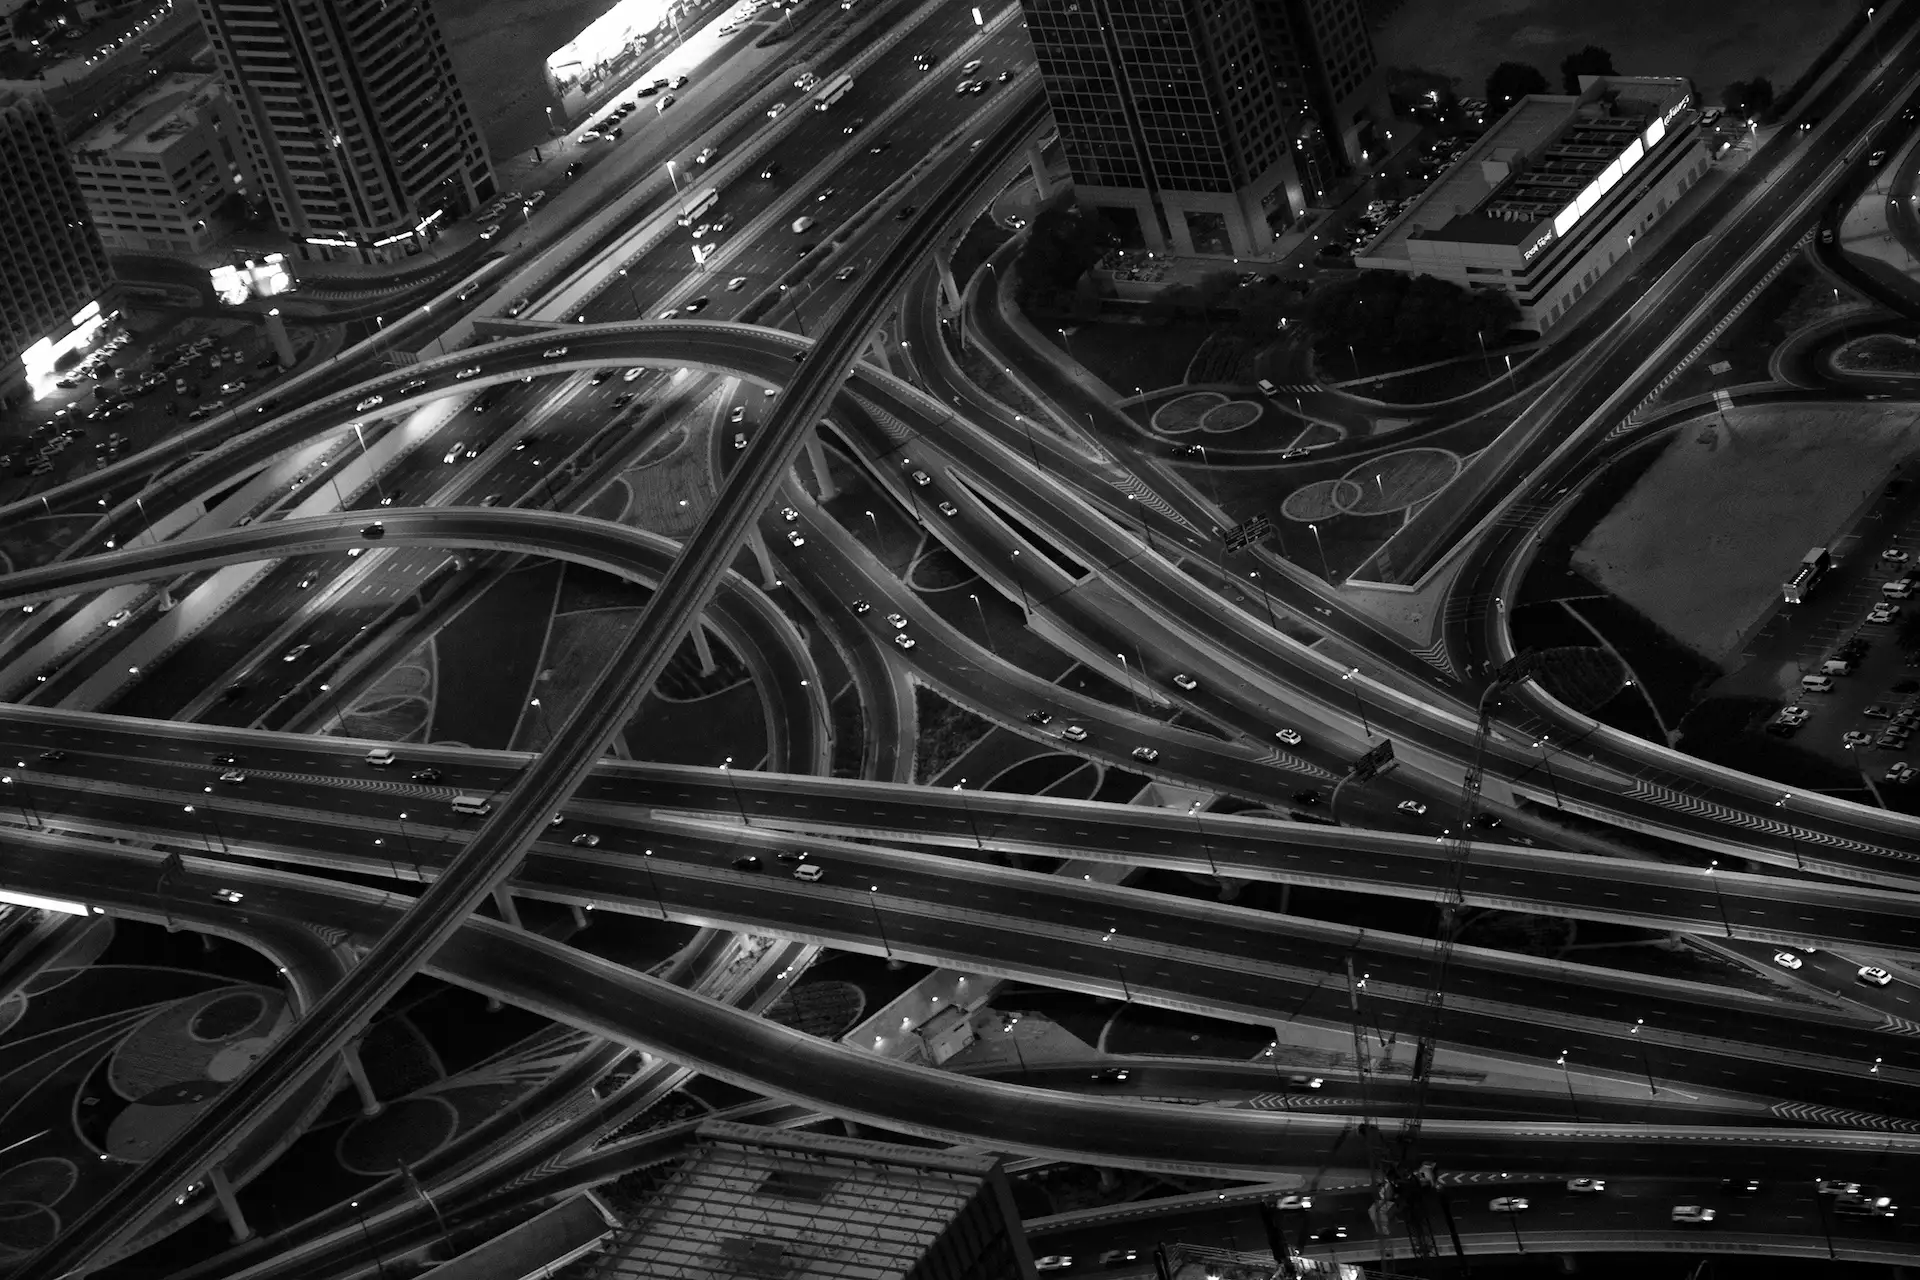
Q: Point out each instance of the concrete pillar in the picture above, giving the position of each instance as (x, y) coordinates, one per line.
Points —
(702, 648)
(877, 349)
(768, 578)
(277, 334)
(504, 900)
(949, 289)
(1037, 161)
(817, 458)
(1150, 226)
(580, 920)
(369, 1103)
(223, 1191)
(1177, 228)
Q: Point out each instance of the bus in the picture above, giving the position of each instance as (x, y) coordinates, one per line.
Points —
(835, 90)
(701, 203)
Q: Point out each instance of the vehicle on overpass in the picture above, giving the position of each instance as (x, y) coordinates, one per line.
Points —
(701, 203)
(836, 89)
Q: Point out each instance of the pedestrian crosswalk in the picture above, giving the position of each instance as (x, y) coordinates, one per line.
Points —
(1297, 388)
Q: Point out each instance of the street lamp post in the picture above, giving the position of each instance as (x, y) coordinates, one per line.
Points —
(412, 854)
(646, 861)
(973, 824)
(1126, 669)
(380, 843)
(1326, 572)
(984, 629)
(1193, 811)
(726, 767)
(1352, 676)
(880, 926)
(1792, 836)
(1213, 485)
(633, 293)
(28, 813)
(205, 839)
(1265, 599)
(1644, 1064)
(1553, 783)
(379, 1262)
(1717, 899)
(1566, 1073)
(371, 471)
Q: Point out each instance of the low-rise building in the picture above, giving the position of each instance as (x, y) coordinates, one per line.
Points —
(155, 171)
(1554, 194)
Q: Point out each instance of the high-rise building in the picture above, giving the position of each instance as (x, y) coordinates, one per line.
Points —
(156, 170)
(748, 1201)
(53, 267)
(1212, 121)
(362, 138)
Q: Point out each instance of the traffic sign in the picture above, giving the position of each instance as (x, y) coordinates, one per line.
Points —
(1242, 536)
(1375, 762)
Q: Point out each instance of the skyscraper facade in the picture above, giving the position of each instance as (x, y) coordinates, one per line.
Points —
(1204, 118)
(53, 267)
(363, 141)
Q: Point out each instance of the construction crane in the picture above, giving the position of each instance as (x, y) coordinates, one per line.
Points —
(1406, 1179)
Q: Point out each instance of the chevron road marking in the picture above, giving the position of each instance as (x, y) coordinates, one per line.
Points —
(1839, 1118)
(1682, 803)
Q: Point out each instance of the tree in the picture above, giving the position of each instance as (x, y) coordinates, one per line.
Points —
(1062, 243)
(1590, 61)
(1748, 99)
(1510, 82)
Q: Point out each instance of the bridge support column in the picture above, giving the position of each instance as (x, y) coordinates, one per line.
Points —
(702, 647)
(277, 334)
(768, 578)
(223, 1192)
(580, 920)
(1037, 161)
(817, 459)
(949, 290)
(877, 349)
(369, 1102)
(508, 912)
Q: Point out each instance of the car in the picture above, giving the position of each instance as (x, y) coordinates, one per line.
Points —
(1291, 737)
(948, 510)
(825, 194)
(428, 774)
(897, 620)
(119, 617)
(1882, 617)
(1288, 455)
(1413, 807)
(587, 840)
(905, 211)
(1587, 1186)
(1873, 975)
(736, 284)
(670, 313)
(1306, 797)
(773, 112)
(1508, 1204)
(1855, 738)
(1110, 1075)
(1892, 741)
(796, 538)
(553, 353)
(1787, 960)
(1118, 1257)
(706, 154)
(739, 439)
(700, 231)
(1740, 1186)
(53, 755)
(1900, 772)
(229, 895)
(1327, 1235)
(696, 306)
(879, 147)
(1834, 1187)
(293, 654)
(234, 776)
(1894, 555)
(922, 478)
(1184, 681)
(1004, 76)
(374, 530)
(411, 386)
(471, 371)
(738, 413)
(1693, 1213)
(1073, 733)
(853, 126)
(789, 514)
(1288, 1203)
(845, 274)
(770, 169)
(633, 373)
(861, 606)
(1877, 158)
(903, 640)
(371, 402)
(307, 580)
(1053, 1262)
(1146, 753)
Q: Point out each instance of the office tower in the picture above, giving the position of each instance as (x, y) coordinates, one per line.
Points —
(53, 267)
(155, 171)
(363, 141)
(749, 1201)
(1214, 122)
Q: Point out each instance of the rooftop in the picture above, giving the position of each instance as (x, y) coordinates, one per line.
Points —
(1533, 162)
(150, 121)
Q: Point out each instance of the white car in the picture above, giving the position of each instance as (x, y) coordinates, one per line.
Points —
(471, 371)
(948, 510)
(1302, 1203)
(1894, 555)
(1693, 1213)
(1146, 753)
(794, 538)
(898, 621)
(736, 284)
(1053, 1262)
(229, 895)
(1185, 681)
(553, 353)
(1587, 1186)
(1508, 1204)
(706, 154)
(922, 478)
(1873, 975)
(904, 640)
(739, 414)
(233, 775)
(789, 514)
(408, 388)
(293, 654)
(773, 112)
(1289, 736)
(371, 402)
(1787, 960)
(1413, 807)
(739, 439)
(119, 617)
(1074, 733)
(633, 373)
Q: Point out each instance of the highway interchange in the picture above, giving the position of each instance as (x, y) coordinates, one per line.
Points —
(1041, 518)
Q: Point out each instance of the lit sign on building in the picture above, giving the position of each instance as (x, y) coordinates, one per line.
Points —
(40, 359)
(1630, 156)
(1686, 100)
(251, 280)
(1539, 244)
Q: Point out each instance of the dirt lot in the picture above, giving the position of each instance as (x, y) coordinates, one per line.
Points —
(1714, 44)
(1700, 543)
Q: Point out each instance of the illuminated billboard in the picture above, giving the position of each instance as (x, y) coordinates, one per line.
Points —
(253, 279)
(609, 44)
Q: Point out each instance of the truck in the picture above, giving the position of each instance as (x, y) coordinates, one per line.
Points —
(1813, 567)
(835, 89)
